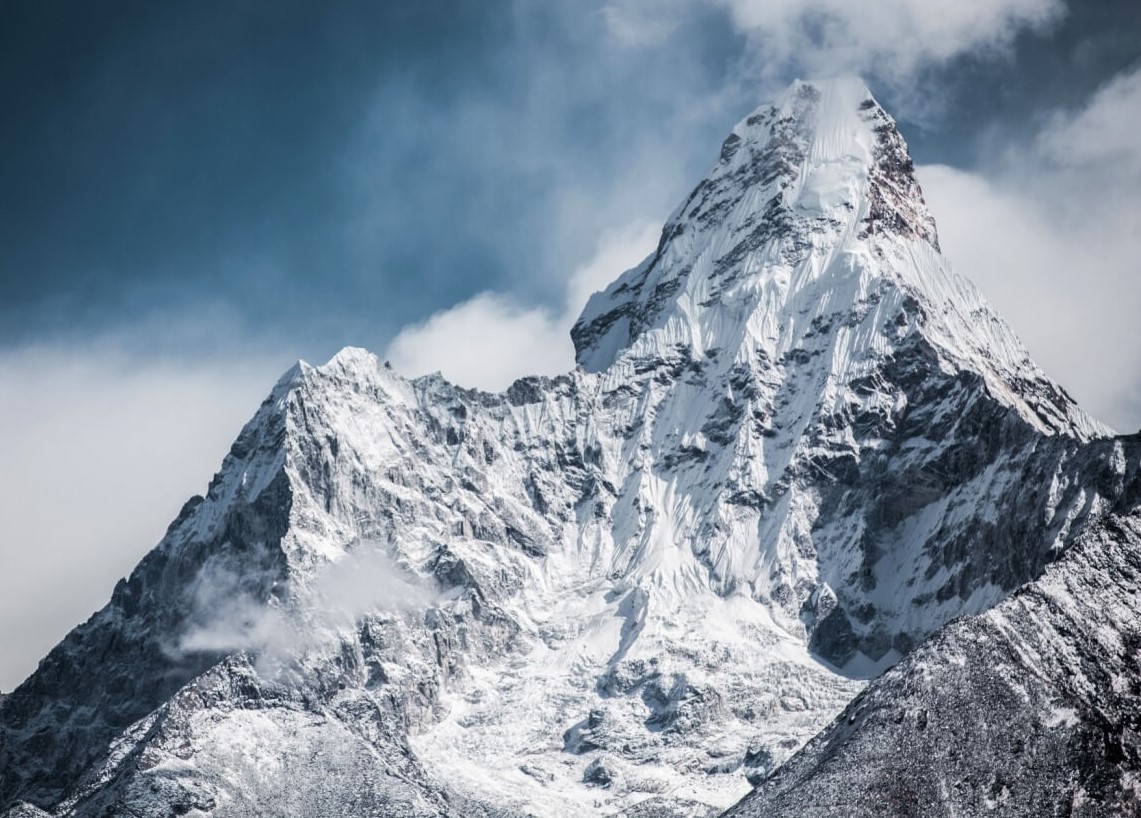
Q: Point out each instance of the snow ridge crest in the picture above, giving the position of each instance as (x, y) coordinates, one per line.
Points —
(819, 175)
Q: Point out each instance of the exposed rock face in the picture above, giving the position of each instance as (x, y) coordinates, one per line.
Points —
(1033, 708)
(796, 445)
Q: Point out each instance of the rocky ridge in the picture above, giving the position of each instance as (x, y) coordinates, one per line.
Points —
(1032, 708)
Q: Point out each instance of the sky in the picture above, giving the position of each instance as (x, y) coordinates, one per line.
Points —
(194, 195)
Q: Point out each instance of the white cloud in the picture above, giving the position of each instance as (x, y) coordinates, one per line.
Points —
(1051, 236)
(366, 580)
(1104, 134)
(98, 450)
(486, 342)
(903, 32)
(489, 341)
(892, 38)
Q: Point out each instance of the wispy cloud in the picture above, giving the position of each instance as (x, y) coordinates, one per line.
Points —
(227, 617)
(891, 39)
(641, 24)
(1100, 138)
(1050, 234)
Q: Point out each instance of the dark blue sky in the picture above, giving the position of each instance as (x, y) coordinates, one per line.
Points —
(304, 175)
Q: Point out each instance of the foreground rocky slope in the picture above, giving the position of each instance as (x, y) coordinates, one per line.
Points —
(795, 446)
(1031, 709)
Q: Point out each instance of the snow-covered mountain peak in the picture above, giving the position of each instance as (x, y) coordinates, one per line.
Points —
(352, 358)
(812, 222)
(830, 116)
(797, 444)
(830, 109)
(812, 187)
(853, 149)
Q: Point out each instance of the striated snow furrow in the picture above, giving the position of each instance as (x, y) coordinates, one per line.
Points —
(796, 445)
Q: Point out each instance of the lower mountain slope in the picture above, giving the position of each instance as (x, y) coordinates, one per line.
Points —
(1032, 708)
(407, 598)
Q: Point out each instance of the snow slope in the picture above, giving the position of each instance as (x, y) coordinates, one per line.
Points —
(796, 445)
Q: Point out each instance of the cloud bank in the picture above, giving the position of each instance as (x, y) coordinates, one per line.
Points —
(99, 448)
(890, 40)
(1050, 234)
(893, 37)
(490, 340)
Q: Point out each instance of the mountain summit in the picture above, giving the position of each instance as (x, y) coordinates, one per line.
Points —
(823, 166)
(812, 207)
(795, 446)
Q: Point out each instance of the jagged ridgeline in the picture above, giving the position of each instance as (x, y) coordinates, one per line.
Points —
(795, 446)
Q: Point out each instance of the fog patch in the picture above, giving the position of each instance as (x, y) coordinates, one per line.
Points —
(235, 610)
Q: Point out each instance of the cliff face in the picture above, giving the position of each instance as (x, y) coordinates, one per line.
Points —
(1033, 708)
(796, 445)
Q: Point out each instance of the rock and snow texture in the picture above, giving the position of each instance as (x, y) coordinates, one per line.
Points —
(796, 445)
(1031, 709)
